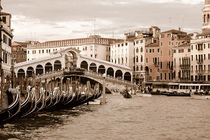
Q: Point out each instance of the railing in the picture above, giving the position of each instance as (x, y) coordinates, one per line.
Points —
(200, 72)
(185, 66)
(156, 64)
(107, 78)
(200, 61)
(87, 73)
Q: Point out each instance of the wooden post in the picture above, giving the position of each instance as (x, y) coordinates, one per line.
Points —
(103, 100)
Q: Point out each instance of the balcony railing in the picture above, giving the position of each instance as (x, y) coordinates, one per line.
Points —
(156, 64)
(200, 72)
(200, 61)
(185, 66)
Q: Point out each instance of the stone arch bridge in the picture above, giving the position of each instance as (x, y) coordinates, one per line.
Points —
(116, 76)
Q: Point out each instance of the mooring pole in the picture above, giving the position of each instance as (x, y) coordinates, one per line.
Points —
(103, 100)
(1, 69)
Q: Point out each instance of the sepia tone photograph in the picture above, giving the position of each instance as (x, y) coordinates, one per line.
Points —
(104, 69)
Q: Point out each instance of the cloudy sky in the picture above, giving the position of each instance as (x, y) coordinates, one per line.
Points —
(63, 19)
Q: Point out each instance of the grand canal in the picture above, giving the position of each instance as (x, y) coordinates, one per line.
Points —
(155, 118)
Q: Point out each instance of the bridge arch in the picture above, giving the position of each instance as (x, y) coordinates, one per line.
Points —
(39, 70)
(101, 69)
(119, 74)
(21, 73)
(71, 59)
(48, 67)
(57, 65)
(30, 72)
(110, 72)
(93, 67)
(84, 65)
(127, 76)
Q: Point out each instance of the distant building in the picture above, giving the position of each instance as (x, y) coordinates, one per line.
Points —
(169, 40)
(132, 50)
(181, 61)
(200, 50)
(153, 62)
(93, 46)
(19, 52)
(6, 42)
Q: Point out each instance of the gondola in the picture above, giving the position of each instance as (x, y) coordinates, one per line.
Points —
(126, 94)
(41, 102)
(34, 102)
(25, 105)
(75, 98)
(13, 109)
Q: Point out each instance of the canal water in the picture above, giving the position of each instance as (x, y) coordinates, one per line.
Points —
(155, 118)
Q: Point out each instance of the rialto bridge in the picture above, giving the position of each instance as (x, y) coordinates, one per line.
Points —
(67, 59)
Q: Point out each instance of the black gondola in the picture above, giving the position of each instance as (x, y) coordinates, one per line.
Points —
(13, 109)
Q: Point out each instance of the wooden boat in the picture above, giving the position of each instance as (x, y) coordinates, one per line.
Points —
(25, 106)
(200, 97)
(48, 99)
(13, 109)
(174, 93)
(33, 104)
(144, 95)
(126, 94)
(42, 101)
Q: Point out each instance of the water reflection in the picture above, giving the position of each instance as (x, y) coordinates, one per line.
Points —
(157, 117)
(27, 128)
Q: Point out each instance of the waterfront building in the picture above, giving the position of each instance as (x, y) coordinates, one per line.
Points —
(6, 42)
(19, 53)
(93, 46)
(153, 62)
(181, 62)
(169, 40)
(200, 50)
(131, 51)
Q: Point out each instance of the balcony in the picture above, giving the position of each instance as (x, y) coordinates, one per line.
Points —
(200, 72)
(185, 66)
(200, 61)
(156, 64)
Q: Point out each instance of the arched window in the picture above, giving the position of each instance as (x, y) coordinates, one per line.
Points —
(137, 68)
(110, 72)
(118, 74)
(127, 76)
(93, 67)
(142, 50)
(57, 65)
(84, 65)
(204, 18)
(137, 50)
(21, 73)
(137, 59)
(141, 58)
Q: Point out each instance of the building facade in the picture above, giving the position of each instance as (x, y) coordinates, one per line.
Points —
(200, 50)
(6, 42)
(93, 46)
(153, 62)
(169, 40)
(19, 53)
(181, 62)
(131, 51)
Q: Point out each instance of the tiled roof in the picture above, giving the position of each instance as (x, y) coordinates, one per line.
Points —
(4, 13)
(185, 45)
(175, 31)
(153, 45)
